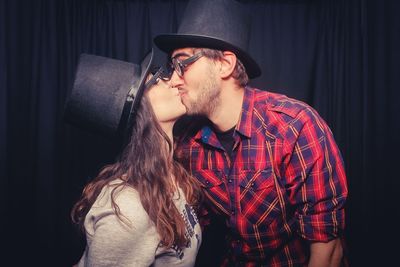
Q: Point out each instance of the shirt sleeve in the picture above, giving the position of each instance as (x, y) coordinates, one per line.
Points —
(112, 242)
(314, 177)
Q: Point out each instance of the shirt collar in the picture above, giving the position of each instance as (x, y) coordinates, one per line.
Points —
(207, 136)
(246, 115)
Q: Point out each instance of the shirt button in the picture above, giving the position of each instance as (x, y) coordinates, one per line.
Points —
(232, 212)
(230, 181)
(207, 182)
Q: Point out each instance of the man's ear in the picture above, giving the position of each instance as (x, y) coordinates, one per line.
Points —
(228, 63)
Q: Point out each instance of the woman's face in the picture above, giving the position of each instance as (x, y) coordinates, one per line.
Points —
(165, 101)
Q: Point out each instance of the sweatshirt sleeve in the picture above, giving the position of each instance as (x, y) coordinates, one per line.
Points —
(112, 242)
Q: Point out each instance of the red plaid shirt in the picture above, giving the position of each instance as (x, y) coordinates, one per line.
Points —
(286, 184)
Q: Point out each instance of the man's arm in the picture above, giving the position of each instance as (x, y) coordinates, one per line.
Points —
(316, 183)
(326, 254)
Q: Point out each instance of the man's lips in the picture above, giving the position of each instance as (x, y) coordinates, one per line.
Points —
(181, 92)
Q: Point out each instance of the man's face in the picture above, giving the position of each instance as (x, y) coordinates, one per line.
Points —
(197, 81)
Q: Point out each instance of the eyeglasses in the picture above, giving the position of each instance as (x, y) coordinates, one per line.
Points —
(180, 66)
(162, 73)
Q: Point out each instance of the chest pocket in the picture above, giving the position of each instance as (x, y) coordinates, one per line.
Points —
(208, 178)
(259, 201)
(215, 189)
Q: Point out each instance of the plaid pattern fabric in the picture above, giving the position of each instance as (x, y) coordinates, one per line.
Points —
(286, 184)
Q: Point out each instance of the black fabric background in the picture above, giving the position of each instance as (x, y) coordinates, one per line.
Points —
(340, 56)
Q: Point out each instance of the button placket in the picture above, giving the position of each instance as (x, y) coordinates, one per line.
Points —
(231, 192)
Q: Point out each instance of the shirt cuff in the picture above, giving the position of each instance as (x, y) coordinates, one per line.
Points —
(321, 227)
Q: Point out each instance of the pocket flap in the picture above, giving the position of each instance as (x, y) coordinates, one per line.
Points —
(208, 178)
(257, 179)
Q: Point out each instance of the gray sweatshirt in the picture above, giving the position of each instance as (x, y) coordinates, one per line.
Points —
(135, 241)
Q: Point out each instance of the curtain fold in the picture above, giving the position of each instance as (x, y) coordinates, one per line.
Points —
(3, 113)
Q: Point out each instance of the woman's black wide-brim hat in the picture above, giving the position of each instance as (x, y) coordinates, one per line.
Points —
(106, 93)
(216, 24)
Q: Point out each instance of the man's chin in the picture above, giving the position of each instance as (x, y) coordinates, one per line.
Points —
(186, 106)
(193, 110)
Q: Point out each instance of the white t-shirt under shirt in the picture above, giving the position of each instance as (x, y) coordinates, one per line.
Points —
(111, 242)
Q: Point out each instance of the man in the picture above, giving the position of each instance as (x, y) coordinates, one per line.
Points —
(269, 164)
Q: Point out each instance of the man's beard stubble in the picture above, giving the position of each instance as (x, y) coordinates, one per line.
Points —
(208, 99)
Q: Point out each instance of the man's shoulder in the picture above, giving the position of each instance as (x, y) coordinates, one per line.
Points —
(278, 103)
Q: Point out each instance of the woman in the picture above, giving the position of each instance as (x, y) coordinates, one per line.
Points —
(139, 210)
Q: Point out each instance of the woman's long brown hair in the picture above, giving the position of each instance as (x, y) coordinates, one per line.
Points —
(146, 165)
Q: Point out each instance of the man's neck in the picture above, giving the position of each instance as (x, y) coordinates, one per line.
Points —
(227, 114)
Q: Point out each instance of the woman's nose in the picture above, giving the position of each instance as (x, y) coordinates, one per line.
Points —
(175, 80)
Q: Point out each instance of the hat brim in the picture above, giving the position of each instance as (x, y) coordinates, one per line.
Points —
(131, 107)
(170, 42)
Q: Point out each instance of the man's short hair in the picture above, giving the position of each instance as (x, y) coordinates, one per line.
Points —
(239, 73)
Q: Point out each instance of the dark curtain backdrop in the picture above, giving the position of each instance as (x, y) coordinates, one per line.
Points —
(340, 56)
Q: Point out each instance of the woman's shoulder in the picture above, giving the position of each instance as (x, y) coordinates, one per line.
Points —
(120, 191)
(127, 201)
(131, 237)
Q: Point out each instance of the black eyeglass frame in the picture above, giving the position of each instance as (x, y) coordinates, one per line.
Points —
(180, 66)
(162, 74)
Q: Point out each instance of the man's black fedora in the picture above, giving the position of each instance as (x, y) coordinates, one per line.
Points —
(217, 24)
(106, 92)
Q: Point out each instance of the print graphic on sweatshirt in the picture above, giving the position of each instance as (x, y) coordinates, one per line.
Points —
(190, 219)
